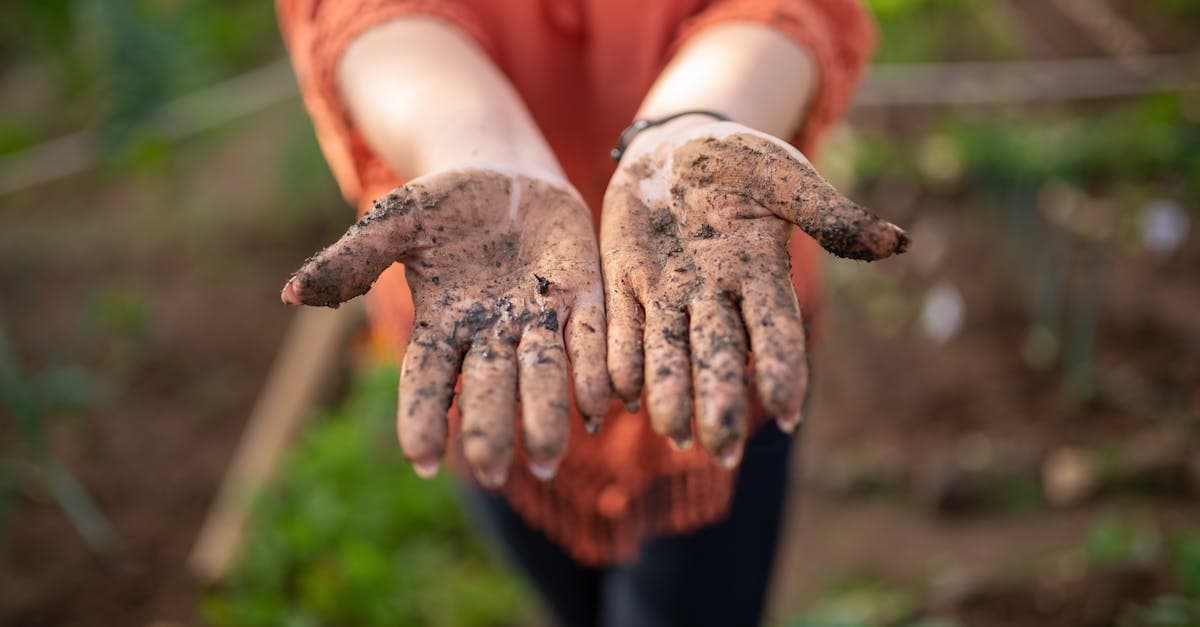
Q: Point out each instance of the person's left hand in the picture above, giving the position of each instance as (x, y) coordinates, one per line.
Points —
(693, 244)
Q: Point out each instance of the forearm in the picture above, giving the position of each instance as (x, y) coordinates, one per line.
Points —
(425, 98)
(754, 75)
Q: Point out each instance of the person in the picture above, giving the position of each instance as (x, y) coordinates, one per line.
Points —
(474, 137)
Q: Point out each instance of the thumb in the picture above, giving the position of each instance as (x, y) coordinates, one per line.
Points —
(778, 177)
(804, 198)
(349, 266)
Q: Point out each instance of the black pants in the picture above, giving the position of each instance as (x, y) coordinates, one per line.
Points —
(717, 575)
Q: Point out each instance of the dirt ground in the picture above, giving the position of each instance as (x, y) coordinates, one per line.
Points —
(207, 275)
(906, 435)
(891, 407)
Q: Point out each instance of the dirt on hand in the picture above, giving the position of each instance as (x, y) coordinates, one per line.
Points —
(506, 286)
(694, 246)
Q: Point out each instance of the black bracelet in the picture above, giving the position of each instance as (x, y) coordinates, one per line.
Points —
(638, 126)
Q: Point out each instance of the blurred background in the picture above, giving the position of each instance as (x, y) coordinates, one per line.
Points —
(1006, 421)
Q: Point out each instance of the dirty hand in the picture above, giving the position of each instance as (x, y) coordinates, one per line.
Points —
(506, 285)
(694, 240)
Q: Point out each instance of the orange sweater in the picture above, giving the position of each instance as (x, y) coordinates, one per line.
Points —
(582, 67)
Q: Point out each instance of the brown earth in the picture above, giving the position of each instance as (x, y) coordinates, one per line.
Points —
(889, 404)
(205, 273)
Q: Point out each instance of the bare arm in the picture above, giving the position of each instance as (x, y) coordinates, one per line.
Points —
(426, 99)
(749, 72)
(694, 240)
(499, 252)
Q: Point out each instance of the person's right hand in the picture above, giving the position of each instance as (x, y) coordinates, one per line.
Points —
(505, 280)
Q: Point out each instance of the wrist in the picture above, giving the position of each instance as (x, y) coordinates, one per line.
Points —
(648, 139)
(516, 148)
(452, 109)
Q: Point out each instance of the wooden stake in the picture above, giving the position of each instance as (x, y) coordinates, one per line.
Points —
(303, 368)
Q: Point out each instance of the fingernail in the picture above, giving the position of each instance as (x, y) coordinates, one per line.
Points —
(592, 425)
(426, 469)
(788, 424)
(544, 470)
(732, 457)
(288, 295)
(680, 442)
(633, 406)
(493, 478)
(902, 240)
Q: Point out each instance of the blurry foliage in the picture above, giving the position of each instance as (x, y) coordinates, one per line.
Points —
(305, 184)
(1164, 611)
(1178, 8)
(1065, 193)
(863, 602)
(117, 319)
(106, 67)
(1120, 541)
(30, 401)
(352, 537)
(1151, 143)
(1184, 551)
(1012, 492)
(1116, 541)
(1066, 190)
(1154, 142)
(21, 405)
(139, 61)
(111, 63)
(923, 30)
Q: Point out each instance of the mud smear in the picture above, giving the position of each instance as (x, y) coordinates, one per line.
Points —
(763, 172)
(490, 259)
(711, 259)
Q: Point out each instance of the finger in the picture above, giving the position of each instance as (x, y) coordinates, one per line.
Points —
(779, 178)
(586, 350)
(838, 224)
(349, 266)
(668, 374)
(776, 329)
(488, 405)
(719, 369)
(625, 356)
(542, 363)
(427, 380)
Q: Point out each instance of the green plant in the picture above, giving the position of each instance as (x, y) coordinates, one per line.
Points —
(1164, 611)
(859, 602)
(113, 62)
(30, 404)
(116, 322)
(1062, 192)
(1115, 541)
(350, 536)
(934, 30)
(1184, 552)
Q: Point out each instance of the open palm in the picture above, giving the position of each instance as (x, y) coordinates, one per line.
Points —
(694, 249)
(506, 285)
